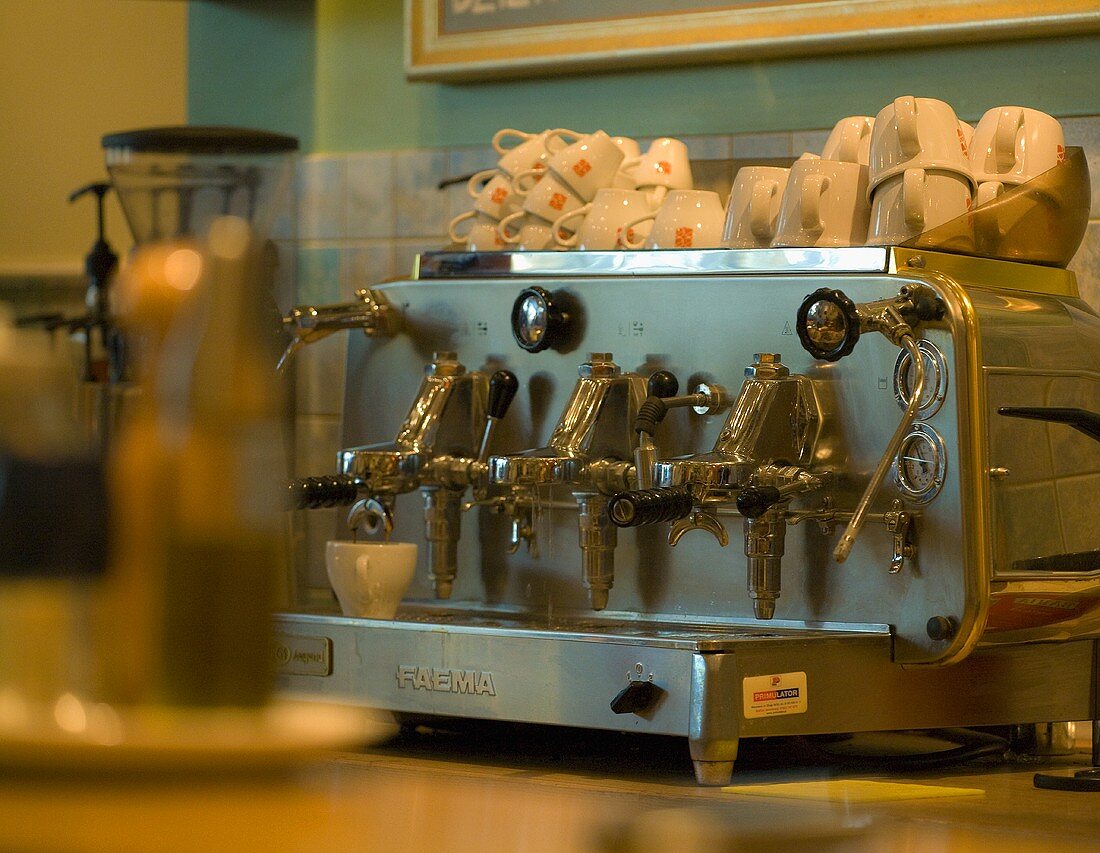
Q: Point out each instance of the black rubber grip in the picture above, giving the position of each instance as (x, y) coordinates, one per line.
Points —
(1080, 419)
(323, 492)
(650, 506)
(502, 390)
(650, 414)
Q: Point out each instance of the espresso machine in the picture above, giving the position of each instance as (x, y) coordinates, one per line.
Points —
(737, 494)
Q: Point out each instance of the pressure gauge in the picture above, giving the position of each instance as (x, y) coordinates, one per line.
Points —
(935, 379)
(921, 465)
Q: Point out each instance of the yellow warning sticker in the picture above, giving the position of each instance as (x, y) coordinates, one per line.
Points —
(773, 695)
(852, 791)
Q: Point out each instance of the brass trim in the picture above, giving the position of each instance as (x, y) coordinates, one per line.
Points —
(1007, 275)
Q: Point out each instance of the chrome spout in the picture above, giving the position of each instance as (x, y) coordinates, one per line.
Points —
(370, 312)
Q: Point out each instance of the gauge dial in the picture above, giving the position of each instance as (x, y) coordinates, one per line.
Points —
(921, 464)
(935, 379)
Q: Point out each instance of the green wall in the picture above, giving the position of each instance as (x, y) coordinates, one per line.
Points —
(250, 59)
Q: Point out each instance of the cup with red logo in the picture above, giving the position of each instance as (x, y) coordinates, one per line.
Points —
(606, 218)
(588, 165)
(686, 219)
(549, 198)
(917, 133)
(1012, 145)
(497, 198)
(665, 166)
(482, 236)
(532, 150)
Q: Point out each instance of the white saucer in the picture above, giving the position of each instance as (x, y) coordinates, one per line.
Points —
(72, 735)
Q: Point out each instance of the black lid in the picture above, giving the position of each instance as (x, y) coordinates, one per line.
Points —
(188, 139)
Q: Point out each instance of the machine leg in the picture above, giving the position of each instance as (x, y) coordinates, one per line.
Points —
(713, 774)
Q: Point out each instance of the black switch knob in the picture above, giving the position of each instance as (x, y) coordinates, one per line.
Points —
(502, 391)
(539, 320)
(828, 324)
(637, 698)
(663, 384)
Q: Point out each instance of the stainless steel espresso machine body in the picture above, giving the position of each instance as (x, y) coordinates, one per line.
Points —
(738, 494)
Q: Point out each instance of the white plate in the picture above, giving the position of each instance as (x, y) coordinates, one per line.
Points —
(75, 735)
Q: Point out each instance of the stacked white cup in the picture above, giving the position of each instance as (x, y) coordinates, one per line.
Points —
(498, 197)
(1012, 145)
(571, 179)
(920, 170)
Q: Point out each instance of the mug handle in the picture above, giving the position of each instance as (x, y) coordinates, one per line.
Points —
(452, 233)
(1004, 140)
(563, 135)
(504, 133)
(905, 113)
(517, 181)
(813, 187)
(987, 191)
(575, 237)
(502, 227)
(474, 185)
(624, 237)
(656, 195)
(760, 209)
(912, 192)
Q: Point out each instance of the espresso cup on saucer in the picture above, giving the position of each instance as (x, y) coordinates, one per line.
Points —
(1012, 145)
(533, 150)
(687, 219)
(604, 220)
(916, 201)
(850, 140)
(665, 166)
(370, 578)
(482, 236)
(824, 204)
(753, 209)
(589, 164)
(526, 232)
(916, 133)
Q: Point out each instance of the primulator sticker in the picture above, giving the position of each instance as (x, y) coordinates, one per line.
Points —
(775, 695)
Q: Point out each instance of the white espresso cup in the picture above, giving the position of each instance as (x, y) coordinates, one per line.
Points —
(482, 236)
(624, 178)
(665, 166)
(549, 198)
(497, 198)
(916, 201)
(687, 219)
(850, 140)
(527, 232)
(589, 164)
(824, 204)
(370, 578)
(1012, 145)
(533, 149)
(916, 133)
(604, 220)
(753, 209)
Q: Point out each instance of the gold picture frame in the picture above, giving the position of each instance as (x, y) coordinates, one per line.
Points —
(456, 40)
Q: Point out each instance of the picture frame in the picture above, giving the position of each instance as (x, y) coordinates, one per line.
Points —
(467, 40)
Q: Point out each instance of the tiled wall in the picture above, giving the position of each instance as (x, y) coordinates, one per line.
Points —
(363, 217)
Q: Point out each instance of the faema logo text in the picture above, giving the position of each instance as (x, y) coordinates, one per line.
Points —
(775, 694)
(471, 681)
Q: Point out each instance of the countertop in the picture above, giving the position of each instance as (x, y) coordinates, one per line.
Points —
(539, 789)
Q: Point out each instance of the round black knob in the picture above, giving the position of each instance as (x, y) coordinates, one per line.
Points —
(754, 501)
(502, 391)
(828, 324)
(538, 319)
(940, 628)
(663, 384)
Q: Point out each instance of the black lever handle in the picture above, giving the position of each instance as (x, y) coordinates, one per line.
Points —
(1081, 420)
(663, 383)
(754, 501)
(650, 506)
(503, 386)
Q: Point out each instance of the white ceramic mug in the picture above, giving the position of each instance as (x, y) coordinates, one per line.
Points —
(665, 166)
(589, 164)
(687, 219)
(850, 140)
(370, 578)
(604, 220)
(916, 201)
(527, 232)
(987, 191)
(482, 236)
(916, 133)
(497, 198)
(824, 204)
(1012, 145)
(753, 209)
(624, 178)
(533, 149)
(549, 198)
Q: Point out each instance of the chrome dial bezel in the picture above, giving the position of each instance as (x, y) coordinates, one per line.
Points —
(927, 436)
(935, 378)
